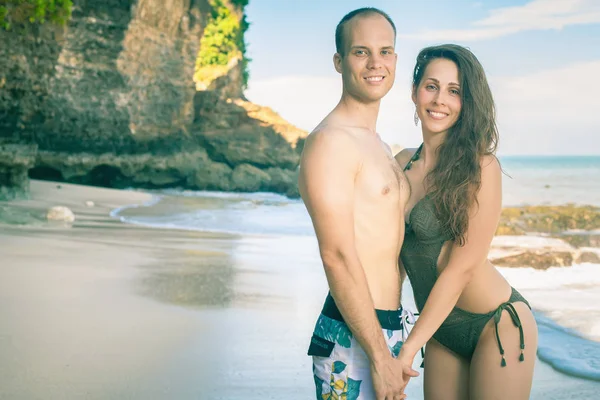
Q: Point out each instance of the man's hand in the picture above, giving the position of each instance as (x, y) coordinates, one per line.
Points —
(390, 378)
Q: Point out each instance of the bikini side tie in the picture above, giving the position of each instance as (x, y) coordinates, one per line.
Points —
(516, 321)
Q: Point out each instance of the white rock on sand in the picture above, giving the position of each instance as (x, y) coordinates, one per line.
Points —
(60, 213)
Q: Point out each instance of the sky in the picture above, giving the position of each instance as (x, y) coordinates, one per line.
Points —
(541, 57)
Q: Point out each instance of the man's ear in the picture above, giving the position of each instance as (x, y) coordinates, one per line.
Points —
(337, 62)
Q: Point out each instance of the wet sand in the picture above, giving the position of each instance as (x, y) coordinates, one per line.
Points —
(104, 310)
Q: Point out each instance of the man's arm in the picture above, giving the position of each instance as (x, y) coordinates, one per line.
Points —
(463, 260)
(328, 170)
(402, 158)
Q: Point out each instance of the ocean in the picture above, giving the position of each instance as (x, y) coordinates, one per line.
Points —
(551, 180)
(566, 300)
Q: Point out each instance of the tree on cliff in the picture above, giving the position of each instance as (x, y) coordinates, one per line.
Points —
(34, 11)
(222, 43)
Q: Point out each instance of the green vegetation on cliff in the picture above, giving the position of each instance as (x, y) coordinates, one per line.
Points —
(35, 11)
(222, 42)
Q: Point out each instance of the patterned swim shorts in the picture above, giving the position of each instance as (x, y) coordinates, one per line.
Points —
(341, 368)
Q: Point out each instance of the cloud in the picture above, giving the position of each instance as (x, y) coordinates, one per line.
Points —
(550, 112)
(536, 15)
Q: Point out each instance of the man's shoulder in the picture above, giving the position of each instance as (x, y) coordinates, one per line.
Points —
(330, 148)
(336, 137)
(332, 132)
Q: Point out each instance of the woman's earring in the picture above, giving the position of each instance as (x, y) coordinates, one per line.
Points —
(416, 118)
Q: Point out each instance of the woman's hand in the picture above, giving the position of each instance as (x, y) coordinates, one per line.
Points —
(406, 359)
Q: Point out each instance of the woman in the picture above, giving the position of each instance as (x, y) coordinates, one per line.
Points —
(480, 333)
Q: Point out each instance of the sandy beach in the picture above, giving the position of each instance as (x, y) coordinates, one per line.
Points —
(107, 310)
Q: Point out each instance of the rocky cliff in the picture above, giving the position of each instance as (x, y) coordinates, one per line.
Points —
(109, 99)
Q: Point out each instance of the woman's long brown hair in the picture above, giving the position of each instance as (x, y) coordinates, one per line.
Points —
(456, 178)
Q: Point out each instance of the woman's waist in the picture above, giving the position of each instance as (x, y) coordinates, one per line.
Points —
(486, 289)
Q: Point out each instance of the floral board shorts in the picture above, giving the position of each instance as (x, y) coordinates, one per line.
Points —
(341, 368)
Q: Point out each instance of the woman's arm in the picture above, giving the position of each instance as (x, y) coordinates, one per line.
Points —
(463, 260)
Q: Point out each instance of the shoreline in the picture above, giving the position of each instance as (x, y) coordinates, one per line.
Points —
(115, 310)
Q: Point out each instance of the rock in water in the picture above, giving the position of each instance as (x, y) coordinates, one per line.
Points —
(588, 257)
(537, 259)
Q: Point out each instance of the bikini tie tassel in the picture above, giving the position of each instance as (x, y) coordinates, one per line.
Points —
(517, 322)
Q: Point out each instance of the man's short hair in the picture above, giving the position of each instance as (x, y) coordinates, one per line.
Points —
(339, 30)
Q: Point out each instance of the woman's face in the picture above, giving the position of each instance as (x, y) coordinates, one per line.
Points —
(438, 96)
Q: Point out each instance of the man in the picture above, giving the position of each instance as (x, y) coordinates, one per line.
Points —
(355, 194)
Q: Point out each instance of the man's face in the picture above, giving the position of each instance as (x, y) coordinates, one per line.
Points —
(368, 66)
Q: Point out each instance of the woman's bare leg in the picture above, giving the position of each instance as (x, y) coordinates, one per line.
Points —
(488, 379)
(446, 375)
